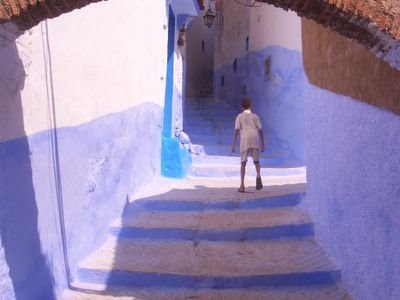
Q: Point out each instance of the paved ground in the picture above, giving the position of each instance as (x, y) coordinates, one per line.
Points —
(214, 188)
(293, 293)
(203, 263)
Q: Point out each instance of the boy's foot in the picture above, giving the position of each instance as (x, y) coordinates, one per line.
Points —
(241, 189)
(259, 184)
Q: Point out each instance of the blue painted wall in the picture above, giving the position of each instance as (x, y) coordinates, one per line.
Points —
(351, 150)
(278, 100)
(354, 189)
(30, 274)
(100, 164)
(175, 159)
(169, 85)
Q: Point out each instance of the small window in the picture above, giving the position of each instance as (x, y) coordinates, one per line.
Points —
(235, 66)
(203, 46)
(222, 81)
(247, 43)
(244, 89)
(267, 68)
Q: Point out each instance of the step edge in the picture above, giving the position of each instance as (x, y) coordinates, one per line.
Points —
(241, 235)
(149, 279)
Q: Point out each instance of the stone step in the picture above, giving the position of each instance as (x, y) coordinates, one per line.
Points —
(230, 120)
(225, 170)
(213, 149)
(227, 117)
(199, 122)
(244, 201)
(234, 159)
(204, 123)
(201, 104)
(84, 291)
(212, 139)
(238, 225)
(209, 130)
(217, 120)
(215, 112)
(226, 150)
(204, 264)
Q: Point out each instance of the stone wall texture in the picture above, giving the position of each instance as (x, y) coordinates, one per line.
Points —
(342, 66)
(28, 13)
(373, 23)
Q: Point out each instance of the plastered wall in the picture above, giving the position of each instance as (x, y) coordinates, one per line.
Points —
(81, 112)
(233, 28)
(271, 26)
(93, 62)
(199, 62)
(353, 133)
(252, 36)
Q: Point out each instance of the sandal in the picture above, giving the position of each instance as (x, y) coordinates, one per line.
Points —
(259, 184)
(241, 190)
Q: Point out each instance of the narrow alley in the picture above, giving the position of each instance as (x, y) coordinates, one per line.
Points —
(125, 128)
(198, 238)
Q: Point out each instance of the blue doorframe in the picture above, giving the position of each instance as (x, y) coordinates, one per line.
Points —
(169, 87)
(175, 160)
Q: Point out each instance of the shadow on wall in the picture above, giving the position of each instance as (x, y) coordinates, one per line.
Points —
(28, 270)
(340, 65)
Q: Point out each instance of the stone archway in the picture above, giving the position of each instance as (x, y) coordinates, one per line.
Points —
(28, 13)
(373, 23)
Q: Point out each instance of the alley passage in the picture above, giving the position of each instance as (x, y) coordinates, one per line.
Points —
(198, 238)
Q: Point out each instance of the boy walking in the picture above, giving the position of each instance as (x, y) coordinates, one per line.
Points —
(251, 134)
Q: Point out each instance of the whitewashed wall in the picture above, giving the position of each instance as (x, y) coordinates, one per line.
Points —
(257, 37)
(106, 57)
(233, 27)
(98, 76)
(271, 26)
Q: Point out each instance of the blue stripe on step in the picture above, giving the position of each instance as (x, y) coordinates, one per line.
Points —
(176, 205)
(139, 279)
(259, 233)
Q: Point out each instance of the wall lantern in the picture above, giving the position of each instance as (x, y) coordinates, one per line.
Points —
(209, 18)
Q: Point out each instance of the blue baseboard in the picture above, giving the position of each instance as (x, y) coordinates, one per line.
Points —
(175, 160)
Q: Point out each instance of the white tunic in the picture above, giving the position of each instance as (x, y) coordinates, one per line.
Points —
(248, 124)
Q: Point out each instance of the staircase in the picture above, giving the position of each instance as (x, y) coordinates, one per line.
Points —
(198, 238)
(210, 126)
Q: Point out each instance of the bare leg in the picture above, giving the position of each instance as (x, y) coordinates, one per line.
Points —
(259, 184)
(258, 169)
(242, 173)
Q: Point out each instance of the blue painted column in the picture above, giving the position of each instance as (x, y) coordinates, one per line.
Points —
(175, 159)
(169, 87)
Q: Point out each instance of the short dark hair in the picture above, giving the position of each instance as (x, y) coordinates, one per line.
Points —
(246, 103)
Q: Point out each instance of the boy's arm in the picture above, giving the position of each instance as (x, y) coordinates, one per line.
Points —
(235, 136)
(261, 133)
